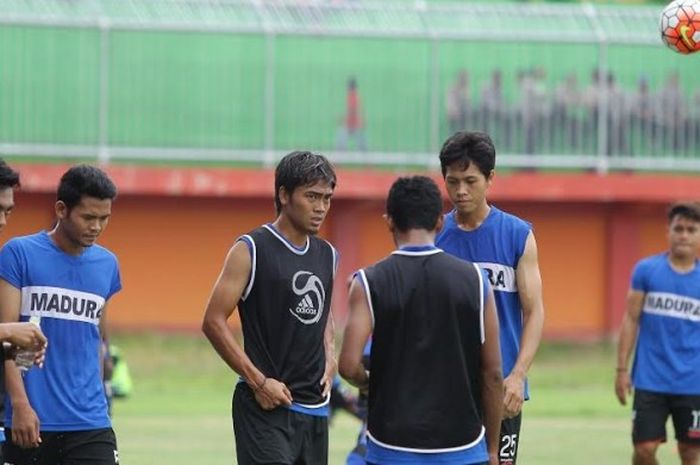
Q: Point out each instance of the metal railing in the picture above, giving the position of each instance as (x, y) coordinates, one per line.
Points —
(558, 86)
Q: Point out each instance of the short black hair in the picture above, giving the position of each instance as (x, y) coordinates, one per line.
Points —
(414, 202)
(84, 181)
(688, 210)
(8, 176)
(465, 147)
(301, 168)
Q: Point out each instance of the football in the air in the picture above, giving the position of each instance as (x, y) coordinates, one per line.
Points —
(680, 26)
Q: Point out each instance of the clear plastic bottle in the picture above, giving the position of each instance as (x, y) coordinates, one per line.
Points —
(25, 358)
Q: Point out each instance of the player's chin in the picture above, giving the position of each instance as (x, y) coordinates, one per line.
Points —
(88, 242)
(684, 249)
(465, 208)
(313, 229)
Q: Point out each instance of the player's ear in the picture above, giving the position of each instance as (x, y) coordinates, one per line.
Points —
(489, 178)
(389, 222)
(61, 210)
(283, 195)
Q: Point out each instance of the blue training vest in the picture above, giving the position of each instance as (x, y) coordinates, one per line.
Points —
(496, 246)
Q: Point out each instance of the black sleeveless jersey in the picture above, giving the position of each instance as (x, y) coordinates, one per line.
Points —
(424, 391)
(284, 310)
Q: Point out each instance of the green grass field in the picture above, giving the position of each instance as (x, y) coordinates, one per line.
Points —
(179, 413)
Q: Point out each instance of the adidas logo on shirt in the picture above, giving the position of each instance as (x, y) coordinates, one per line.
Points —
(313, 296)
(306, 306)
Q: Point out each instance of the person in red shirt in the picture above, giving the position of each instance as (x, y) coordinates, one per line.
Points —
(353, 125)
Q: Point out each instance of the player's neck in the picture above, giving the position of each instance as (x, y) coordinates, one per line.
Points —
(682, 264)
(63, 242)
(414, 237)
(290, 232)
(472, 220)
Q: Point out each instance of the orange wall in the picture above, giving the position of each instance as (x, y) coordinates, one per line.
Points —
(171, 250)
(653, 231)
(571, 247)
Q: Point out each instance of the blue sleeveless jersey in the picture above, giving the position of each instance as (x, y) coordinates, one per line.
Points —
(496, 246)
(69, 294)
(667, 359)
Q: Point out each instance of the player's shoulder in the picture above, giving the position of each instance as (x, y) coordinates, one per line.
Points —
(321, 242)
(263, 236)
(510, 220)
(26, 241)
(259, 232)
(101, 252)
(651, 262)
(391, 263)
(380, 264)
(251, 238)
(453, 263)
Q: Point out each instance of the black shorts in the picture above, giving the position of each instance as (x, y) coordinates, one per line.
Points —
(278, 436)
(651, 410)
(510, 438)
(96, 447)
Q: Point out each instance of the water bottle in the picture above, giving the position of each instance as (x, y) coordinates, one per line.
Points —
(25, 358)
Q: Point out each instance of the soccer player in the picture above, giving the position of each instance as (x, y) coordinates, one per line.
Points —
(58, 415)
(435, 386)
(25, 335)
(663, 317)
(280, 276)
(504, 246)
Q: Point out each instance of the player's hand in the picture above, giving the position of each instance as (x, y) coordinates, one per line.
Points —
(24, 335)
(329, 375)
(513, 395)
(25, 426)
(39, 357)
(623, 386)
(272, 394)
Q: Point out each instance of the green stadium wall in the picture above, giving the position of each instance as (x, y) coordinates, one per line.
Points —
(208, 90)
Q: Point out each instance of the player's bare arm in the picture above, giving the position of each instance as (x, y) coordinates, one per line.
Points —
(357, 330)
(104, 328)
(492, 379)
(106, 363)
(224, 298)
(25, 422)
(529, 282)
(628, 338)
(331, 363)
